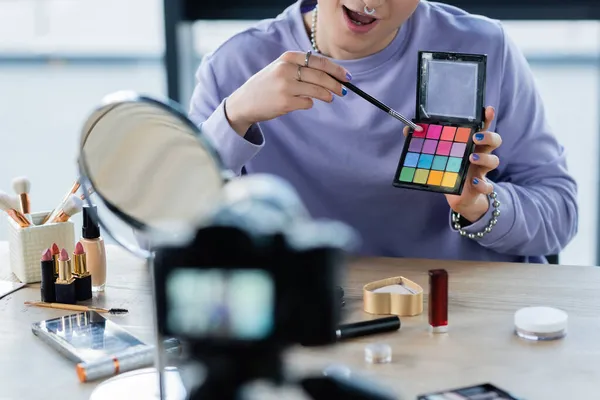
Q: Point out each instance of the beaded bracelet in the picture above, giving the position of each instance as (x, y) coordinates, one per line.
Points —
(495, 203)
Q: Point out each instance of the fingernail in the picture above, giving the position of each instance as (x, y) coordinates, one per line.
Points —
(475, 181)
(475, 156)
(479, 136)
(344, 91)
(348, 76)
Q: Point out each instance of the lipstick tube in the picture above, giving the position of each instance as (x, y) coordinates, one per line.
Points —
(55, 259)
(370, 327)
(83, 278)
(65, 284)
(47, 292)
(55, 253)
(438, 301)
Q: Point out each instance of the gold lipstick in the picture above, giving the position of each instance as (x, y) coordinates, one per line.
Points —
(65, 284)
(83, 278)
(55, 253)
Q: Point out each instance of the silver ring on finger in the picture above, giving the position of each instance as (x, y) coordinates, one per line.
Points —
(307, 58)
(299, 73)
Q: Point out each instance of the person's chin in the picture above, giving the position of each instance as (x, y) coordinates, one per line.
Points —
(352, 49)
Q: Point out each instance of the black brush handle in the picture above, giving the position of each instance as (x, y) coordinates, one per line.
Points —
(378, 104)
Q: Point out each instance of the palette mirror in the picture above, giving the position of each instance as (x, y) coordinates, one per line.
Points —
(152, 174)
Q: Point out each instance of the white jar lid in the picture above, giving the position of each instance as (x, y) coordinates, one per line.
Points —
(541, 320)
(378, 353)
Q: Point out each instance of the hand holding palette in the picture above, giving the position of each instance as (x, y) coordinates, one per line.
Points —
(450, 96)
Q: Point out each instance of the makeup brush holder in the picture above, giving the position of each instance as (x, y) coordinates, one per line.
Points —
(26, 245)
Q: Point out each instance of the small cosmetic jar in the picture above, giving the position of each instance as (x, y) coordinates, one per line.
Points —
(541, 323)
(378, 353)
(27, 244)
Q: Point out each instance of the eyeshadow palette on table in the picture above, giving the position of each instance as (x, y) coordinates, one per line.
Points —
(486, 391)
(450, 109)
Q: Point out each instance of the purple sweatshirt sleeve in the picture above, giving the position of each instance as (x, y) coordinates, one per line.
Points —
(207, 110)
(538, 211)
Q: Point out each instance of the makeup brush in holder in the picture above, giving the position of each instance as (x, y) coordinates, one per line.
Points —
(21, 185)
(28, 238)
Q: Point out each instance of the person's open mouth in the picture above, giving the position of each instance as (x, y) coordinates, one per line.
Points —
(358, 21)
(358, 18)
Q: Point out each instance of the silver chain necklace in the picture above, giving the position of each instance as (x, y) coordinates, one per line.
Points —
(313, 30)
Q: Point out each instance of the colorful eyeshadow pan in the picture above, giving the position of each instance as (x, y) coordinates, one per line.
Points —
(435, 178)
(458, 149)
(421, 176)
(425, 161)
(439, 163)
(416, 145)
(453, 164)
(429, 146)
(434, 132)
(450, 93)
(462, 135)
(407, 174)
(422, 133)
(448, 133)
(443, 148)
(411, 160)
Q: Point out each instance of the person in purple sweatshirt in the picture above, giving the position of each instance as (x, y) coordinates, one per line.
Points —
(265, 115)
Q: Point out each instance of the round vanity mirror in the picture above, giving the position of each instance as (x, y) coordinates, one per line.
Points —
(153, 176)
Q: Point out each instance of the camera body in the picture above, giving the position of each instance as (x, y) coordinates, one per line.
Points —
(226, 291)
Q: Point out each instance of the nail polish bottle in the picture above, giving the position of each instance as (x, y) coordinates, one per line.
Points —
(65, 284)
(83, 279)
(93, 245)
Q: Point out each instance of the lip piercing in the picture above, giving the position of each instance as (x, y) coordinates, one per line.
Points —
(369, 10)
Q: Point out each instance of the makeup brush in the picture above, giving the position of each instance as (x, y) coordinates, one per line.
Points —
(21, 186)
(84, 196)
(14, 202)
(6, 205)
(54, 212)
(72, 206)
(380, 105)
(74, 307)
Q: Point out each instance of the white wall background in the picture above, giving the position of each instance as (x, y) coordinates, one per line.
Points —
(42, 106)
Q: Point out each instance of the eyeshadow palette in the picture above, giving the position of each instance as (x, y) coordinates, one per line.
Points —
(450, 95)
(486, 391)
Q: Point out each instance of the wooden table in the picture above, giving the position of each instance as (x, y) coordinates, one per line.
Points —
(480, 346)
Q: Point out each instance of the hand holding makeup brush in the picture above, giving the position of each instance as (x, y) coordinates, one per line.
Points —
(474, 202)
(21, 185)
(7, 205)
(72, 206)
(289, 83)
